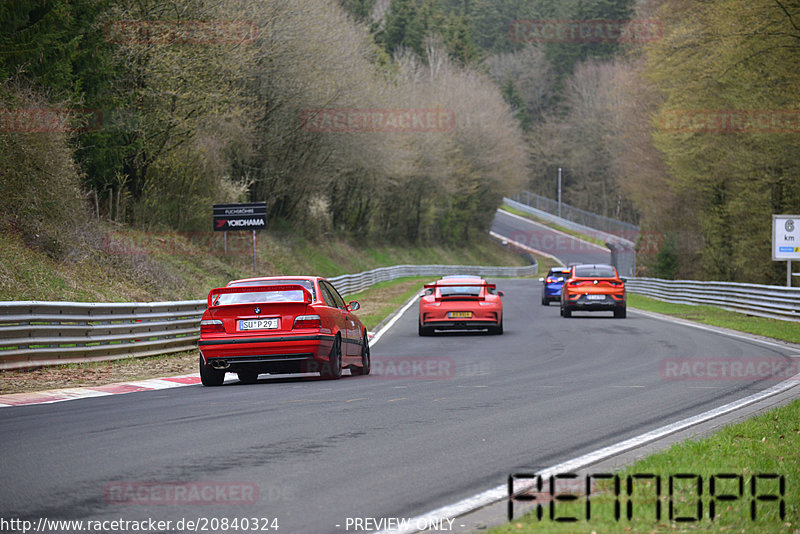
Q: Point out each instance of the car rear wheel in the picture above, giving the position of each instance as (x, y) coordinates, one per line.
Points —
(498, 330)
(424, 330)
(366, 362)
(620, 313)
(332, 370)
(210, 376)
(565, 311)
(248, 377)
(545, 300)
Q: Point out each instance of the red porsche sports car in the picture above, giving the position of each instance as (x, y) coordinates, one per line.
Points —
(460, 303)
(280, 325)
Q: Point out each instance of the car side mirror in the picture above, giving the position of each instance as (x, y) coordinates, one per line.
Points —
(623, 279)
(501, 294)
(353, 306)
(541, 279)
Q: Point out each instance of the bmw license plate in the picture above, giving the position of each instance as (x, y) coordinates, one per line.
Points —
(258, 324)
(595, 297)
(459, 315)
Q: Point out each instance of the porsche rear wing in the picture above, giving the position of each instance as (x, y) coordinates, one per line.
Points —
(434, 285)
(488, 286)
(214, 293)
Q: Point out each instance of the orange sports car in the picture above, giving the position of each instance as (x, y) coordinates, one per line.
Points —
(593, 288)
(460, 303)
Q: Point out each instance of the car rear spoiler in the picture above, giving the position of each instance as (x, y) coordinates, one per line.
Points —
(487, 285)
(258, 289)
(436, 284)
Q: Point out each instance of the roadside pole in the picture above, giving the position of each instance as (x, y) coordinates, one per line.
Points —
(559, 191)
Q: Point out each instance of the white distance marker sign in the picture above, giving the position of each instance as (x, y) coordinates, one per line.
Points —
(785, 237)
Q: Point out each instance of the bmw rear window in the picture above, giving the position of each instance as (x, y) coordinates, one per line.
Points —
(262, 297)
(595, 271)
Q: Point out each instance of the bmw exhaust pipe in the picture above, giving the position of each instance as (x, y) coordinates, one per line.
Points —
(219, 364)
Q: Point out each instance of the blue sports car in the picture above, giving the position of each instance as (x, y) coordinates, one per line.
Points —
(551, 285)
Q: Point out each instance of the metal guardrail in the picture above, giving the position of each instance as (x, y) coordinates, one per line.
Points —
(776, 302)
(629, 239)
(623, 251)
(34, 333)
(352, 283)
(579, 216)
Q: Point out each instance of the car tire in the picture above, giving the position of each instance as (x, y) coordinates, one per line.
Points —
(497, 330)
(566, 312)
(424, 330)
(366, 359)
(545, 301)
(332, 369)
(210, 376)
(620, 313)
(248, 377)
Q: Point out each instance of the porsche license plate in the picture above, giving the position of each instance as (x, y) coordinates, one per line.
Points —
(595, 297)
(459, 315)
(258, 324)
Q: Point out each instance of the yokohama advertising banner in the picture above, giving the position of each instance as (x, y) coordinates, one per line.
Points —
(232, 217)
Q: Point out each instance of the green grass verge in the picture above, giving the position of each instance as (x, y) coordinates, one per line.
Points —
(554, 226)
(711, 315)
(763, 445)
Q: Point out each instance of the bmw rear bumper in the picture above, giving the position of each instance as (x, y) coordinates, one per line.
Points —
(283, 354)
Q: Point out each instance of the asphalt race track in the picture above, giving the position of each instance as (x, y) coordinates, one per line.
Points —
(540, 237)
(441, 419)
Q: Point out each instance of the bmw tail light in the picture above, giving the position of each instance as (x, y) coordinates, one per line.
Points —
(307, 321)
(211, 326)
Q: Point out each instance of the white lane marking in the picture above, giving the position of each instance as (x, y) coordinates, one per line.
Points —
(526, 247)
(552, 229)
(499, 493)
(379, 334)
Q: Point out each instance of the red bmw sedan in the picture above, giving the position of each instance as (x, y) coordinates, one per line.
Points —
(292, 324)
